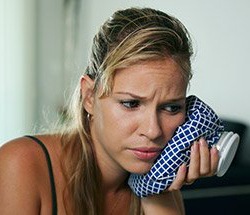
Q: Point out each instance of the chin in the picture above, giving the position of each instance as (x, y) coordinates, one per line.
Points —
(140, 169)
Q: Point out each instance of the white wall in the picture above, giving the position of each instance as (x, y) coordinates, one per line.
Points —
(17, 66)
(221, 32)
(50, 61)
(34, 54)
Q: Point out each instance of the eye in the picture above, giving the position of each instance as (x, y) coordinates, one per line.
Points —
(172, 108)
(130, 104)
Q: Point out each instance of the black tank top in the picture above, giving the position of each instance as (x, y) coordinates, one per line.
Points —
(51, 176)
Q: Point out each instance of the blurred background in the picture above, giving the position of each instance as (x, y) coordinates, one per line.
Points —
(44, 47)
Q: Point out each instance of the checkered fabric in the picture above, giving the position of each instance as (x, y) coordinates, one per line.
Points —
(201, 121)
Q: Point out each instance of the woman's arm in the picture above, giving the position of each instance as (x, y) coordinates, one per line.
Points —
(18, 180)
(167, 203)
(203, 163)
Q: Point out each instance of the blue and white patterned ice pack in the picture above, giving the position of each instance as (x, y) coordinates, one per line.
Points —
(201, 121)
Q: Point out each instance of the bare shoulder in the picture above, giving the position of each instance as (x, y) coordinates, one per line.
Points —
(20, 154)
(21, 170)
(23, 157)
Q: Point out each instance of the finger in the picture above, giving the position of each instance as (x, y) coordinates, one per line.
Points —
(180, 178)
(214, 157)
(194, 165)
(204, 158)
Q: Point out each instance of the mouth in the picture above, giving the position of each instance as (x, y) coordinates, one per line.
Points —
(146, 154)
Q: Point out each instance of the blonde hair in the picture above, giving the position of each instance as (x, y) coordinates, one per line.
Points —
(128, 36)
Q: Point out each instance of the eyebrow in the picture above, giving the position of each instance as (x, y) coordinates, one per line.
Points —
(130, 94)
(144, 97)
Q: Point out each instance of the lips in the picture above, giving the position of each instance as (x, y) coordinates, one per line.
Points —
(146, 154)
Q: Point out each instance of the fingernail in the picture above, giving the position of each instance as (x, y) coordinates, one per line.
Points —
(214, 149)
(183, 167)
(194, 146)
(202, 141)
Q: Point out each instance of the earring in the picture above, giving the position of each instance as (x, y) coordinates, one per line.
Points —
(88, 116)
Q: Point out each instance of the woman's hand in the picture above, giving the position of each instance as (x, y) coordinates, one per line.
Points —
(203, 163)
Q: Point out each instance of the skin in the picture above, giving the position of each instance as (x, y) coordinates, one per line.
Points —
(140, 113)
(136, 117)
(24, 179)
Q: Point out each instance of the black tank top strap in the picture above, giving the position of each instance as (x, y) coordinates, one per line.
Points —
(51, 176)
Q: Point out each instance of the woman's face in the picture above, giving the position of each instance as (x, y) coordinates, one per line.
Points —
(131, 126)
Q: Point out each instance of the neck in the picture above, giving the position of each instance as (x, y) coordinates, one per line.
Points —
(114, 177)
(116, 192)
(114, 181)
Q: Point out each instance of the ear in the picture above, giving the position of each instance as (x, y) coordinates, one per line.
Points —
(87, 91)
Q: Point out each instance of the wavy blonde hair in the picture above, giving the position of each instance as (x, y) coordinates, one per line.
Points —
(127, 37)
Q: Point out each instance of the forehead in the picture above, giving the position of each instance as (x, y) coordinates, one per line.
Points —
(162, 73)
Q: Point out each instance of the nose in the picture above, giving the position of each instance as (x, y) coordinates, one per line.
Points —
(150, 126)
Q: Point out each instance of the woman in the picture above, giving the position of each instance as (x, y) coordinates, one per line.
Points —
(129, 102)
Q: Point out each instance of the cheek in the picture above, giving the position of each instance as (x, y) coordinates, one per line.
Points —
(171, 125)
(124, 124)
(113, 124)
